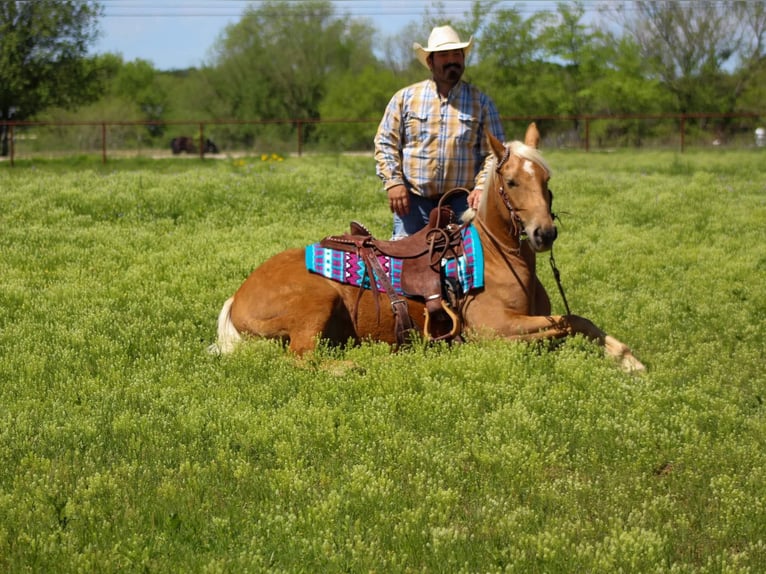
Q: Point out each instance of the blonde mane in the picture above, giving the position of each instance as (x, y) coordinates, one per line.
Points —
(519, 149)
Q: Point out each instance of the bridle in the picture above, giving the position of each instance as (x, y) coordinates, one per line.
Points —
(517, 224)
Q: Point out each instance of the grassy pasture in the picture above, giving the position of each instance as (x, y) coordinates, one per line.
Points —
(125, 447)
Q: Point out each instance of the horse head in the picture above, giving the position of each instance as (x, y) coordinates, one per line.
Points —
(516, 190)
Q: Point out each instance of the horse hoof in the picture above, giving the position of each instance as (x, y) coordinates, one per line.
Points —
(630, 364)
(623, 355)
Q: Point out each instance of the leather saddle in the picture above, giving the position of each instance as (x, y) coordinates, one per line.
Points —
(421, 274)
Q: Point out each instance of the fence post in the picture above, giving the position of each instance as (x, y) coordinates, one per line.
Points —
(201, 141)
(10, 134)
(103, 142)
(683, 130)
(299, 123)
(587, 134)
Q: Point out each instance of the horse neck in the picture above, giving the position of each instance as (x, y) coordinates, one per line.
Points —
(498, 225)
(501, 240)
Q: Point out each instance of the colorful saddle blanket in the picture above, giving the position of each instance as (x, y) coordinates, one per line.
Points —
(347, 267)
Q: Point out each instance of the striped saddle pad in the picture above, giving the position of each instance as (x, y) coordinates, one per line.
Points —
(347, 267)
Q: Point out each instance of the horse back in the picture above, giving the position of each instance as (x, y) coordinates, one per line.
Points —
(282, 300)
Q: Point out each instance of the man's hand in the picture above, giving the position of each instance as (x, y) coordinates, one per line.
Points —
(474, 198)
(398, 200)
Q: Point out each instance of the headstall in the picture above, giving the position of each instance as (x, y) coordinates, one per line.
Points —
(503, 161)
(516, 223)
(515, 219)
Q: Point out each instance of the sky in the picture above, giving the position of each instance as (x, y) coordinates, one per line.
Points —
(177, 34)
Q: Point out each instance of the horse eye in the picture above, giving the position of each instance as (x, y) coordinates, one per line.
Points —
(511, 183)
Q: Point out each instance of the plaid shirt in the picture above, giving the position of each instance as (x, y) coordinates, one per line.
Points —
(433, 144)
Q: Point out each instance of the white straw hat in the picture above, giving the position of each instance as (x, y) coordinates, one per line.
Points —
(442, 39)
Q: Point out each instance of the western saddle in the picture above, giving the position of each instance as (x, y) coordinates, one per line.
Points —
(421, 274)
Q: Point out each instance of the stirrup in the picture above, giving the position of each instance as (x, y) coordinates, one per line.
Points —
(454, 317)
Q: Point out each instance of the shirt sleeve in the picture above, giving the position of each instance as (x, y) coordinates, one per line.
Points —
(490, 123)
(388, 145)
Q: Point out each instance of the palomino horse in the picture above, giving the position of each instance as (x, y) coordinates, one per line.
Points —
(282, 300)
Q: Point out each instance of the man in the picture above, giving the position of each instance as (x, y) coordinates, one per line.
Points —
(432, 137)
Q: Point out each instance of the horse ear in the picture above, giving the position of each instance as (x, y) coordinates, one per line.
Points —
(532, 139)
(498, 148)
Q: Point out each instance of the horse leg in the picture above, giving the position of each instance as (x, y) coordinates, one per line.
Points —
(535, 328)
(541, 303)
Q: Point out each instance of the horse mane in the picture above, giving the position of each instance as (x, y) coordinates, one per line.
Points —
(517, 148)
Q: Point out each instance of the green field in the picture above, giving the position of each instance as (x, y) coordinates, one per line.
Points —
(126, 447)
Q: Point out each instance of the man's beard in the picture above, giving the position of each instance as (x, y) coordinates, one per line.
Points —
(453, 72)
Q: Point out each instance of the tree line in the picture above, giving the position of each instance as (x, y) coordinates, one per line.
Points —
(306, 60)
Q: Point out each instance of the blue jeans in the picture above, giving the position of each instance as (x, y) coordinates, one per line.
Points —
(420, 210)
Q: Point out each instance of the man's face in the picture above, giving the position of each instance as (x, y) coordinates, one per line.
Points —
(448, 66)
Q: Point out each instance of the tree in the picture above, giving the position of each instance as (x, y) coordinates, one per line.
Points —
(276, 62)
(138, 83)
(43, 57)
(685, 45)
(357, 96)
(578, 48)
(512, 63)
(748, 78)
(398, 55)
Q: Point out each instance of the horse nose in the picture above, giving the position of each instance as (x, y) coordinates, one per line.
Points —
(545, 236)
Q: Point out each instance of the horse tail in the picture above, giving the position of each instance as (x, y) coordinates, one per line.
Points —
(228, 336)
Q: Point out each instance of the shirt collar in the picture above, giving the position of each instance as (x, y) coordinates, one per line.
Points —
(453, 90)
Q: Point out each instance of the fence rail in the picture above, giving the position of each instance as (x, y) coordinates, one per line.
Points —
(573, 131)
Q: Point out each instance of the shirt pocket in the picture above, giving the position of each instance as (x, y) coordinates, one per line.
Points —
(417, 129)
(467, 129)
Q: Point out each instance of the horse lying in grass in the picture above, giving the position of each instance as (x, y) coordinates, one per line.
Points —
(282, 299)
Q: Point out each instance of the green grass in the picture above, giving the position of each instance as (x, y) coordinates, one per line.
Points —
(125, 447)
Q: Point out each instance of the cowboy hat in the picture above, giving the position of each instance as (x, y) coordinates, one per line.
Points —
(442, 39)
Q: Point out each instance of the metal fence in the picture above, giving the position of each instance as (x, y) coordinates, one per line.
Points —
(233, 138)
